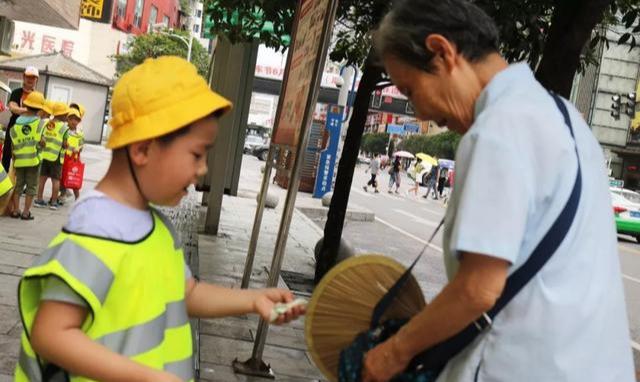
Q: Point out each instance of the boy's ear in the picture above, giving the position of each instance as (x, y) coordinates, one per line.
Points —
(139, 152)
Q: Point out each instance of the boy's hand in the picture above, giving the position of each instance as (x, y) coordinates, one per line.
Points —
(162, 376)
(266, 300)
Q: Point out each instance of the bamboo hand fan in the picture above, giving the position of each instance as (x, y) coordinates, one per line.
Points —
(343, 302)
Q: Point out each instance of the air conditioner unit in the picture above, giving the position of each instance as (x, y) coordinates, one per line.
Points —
(6, 35)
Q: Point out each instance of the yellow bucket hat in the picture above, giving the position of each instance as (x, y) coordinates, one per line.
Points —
(35, 100)
(158, 97)
(75, 113)
(59, 108)
(81, 108)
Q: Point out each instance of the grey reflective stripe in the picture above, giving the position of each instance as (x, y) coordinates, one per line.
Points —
(83, 265)
(144, 337)
(183, 369)
(53, 151)
(53, 140)
(3, 175)
(30, 367)
(177, 243)
(27, 156)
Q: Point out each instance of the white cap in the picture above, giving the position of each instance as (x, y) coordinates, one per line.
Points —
(31, 71)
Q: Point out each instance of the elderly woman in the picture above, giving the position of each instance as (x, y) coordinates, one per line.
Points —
(568, 323)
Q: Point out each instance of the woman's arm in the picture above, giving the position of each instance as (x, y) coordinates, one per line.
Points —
(474, 290)
(57, 338)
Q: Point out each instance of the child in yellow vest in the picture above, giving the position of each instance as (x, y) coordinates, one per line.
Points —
(6, 186)
(26, 135)
(54, 134)
(75, 142)
(110, 299)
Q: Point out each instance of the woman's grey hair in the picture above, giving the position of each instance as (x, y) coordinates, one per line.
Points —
(403, 30)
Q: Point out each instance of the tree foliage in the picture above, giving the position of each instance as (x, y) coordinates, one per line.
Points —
(375, 143)
(161, 44)
(443, 145)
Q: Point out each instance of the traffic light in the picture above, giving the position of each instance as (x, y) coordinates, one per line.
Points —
(631, 104)
(615, 106)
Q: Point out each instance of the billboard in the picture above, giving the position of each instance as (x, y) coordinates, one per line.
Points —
(96, 10)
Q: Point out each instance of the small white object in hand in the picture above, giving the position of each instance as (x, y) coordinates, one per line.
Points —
(282, 308)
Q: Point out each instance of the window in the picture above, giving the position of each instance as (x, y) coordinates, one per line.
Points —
(196, 28)
(137, 13)
(153, 16)
(122, 8)
(199, 13)
(165, 21)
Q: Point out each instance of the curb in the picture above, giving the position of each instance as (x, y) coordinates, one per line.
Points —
(352, 215)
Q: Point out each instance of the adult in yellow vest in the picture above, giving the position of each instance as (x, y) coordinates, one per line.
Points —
(54, 134)
(110, 298)
(26, 136)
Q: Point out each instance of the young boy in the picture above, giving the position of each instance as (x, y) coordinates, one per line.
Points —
(26, 136)
(53, 155)
(110, 299)
(75, 141)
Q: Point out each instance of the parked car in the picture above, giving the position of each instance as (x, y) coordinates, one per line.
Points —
(626, 207)
(251, 142)
(261, 151)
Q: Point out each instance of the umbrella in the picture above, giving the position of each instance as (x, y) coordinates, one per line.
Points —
(342, 305)
(427, 159)
(446, 163)
(403, 154)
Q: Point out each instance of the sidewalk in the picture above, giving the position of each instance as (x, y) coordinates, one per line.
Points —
(221, 260)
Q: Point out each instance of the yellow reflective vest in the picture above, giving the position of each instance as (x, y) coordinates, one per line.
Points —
(26, 138)
(53, 134)
(5, 182)
(135, 293)
(75, 140)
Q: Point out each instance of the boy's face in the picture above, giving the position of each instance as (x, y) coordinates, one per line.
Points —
(172, 167)
(73, 122)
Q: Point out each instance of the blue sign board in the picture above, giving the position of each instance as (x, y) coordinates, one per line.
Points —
(411, 128)
(395, 129)
(327, 163)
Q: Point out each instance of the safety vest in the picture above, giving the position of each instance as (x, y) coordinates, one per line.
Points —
(26, 139)
(75, 140)
(54, 136)
(135, 292)
(5, 182)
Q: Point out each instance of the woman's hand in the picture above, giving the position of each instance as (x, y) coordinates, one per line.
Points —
(384, 361)
(266, 300)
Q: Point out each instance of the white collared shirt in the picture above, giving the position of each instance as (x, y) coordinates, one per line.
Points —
(515, 169)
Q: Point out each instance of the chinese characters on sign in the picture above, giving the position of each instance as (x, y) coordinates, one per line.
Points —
(27, 42)
(96, 10)
(327, 163)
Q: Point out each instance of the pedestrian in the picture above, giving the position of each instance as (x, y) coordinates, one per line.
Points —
(75, 143)
(442, 180)
(374, 168)
(417, 169)
(55, 136)
(110, 299)
(535, 291)
(26, 135)
(394, 175)
(64, 193)
(29, 82)
(432, 182)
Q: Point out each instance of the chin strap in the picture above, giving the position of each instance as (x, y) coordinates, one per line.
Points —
(133, 174)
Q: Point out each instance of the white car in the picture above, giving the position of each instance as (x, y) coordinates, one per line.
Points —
(626, 207)
(251, 142)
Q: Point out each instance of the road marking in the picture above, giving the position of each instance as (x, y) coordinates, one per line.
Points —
(635, 345)
(416, 218)
(631, 278)
(408, 234)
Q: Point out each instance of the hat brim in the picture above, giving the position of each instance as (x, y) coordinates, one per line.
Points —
(169, 119)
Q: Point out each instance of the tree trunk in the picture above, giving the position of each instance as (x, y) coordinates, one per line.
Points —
(571, 27)
(371, 75)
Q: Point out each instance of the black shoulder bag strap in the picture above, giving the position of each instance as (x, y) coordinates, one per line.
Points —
(437, 356)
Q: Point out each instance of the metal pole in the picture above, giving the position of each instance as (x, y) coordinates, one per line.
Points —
(255, 233)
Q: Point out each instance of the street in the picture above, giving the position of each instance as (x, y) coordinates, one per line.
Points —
(403, 224)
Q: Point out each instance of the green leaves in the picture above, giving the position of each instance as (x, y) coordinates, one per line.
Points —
(161, 44)
(443, 145)
(375, 143)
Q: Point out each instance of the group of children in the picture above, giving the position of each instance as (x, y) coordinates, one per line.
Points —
(43, 137)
